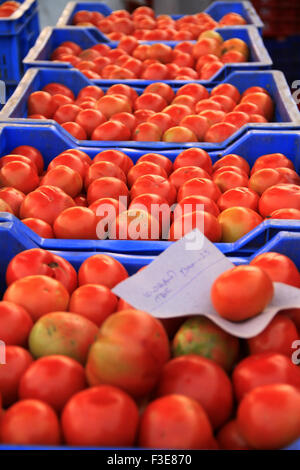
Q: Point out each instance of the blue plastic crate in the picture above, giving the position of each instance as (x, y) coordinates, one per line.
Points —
(12, 243)
(18, 34)
(51, 38)
(51, 143)
(217, 10)
(286, 110)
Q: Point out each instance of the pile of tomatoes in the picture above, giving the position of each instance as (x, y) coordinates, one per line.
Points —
(190, 114)
(132, 60)
(80, 198)
(8, 8)
(87, 369)
(143, 25)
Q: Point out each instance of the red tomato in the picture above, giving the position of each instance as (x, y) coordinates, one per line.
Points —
(163, 162)
(203, 221)
(226, 89)
(197, 91)
(19, 175)
(76, 223)
(91, 91)
(135, 224)
(269, 416)
(122, 89)
(279, 267)
(94, 302)
(70, 158)
(281, 196)
(197, 124)
(17, 158)
(103, 169)
(117, 157)
(199, 187)
(89, 119)
(37, 261)
(201, 379)
(40, 227)
(100, 416)
(142, 115)
(241, 293)
(154, 184)
(38, 294)
(157, 207)
(263, 101)
(289, 175)
(162, 89)
(133, 367)
(66, 113)
(58, 88)
(103, 270)
(227, 105)
(227, 178)
(53, 380)
(272, 160)
(204, 105)
(196, 203)
(155, 71)
(4, 207)
(230, 438)
(15, 324)
(264, 369)
(40, 102)
(75, 130)
(106, 210)
(111, 104)
(45, 203)
(177, 112)
(277, 337)
(232, 160)
(159, 429)
(13, 197)
(237, 222)
(111, 130)
(144, 168)
(264, 179)
(17, 361)
(286, 214)
(237, 118)
(239, 196)
(44, 425)
(32, 153)
(64, 178)
(179, 134)
(107, 187)
(220, 132)
(147, 132)
(127, 119)
(186, 173)
(161, 120)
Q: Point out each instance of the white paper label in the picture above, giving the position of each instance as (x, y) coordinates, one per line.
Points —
(178, 283)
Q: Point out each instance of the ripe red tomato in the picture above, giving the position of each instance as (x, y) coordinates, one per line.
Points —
(70, 160)
(264, 179)
(226, 89)
(111, 130)
(269, 416)
(102, 169)
(66, 113)
(239, 196)
(91, 91)
(106, 210)
(45, 203)
(13, 197)
(263, 101)
(147, 132)
(279, 267)
(186, 173)
(135, 224)
(157, 207)
(272, 160)
(197, 124)
(177, 112)
(32, 153)
(237, 222)
(103, 270)
(89, 119)
(232, 160)
(38, 294)
(281, 196)
(44, 426)
(15, 324)
(196, 203)
(162, 89)
(179, 134)
(201, 379)
(159, 430)
(112, 104)
(58, 88)
(107, 187)
(37, 261)
(117, 157)
(76, 223)
(129, 120)
(20, 176)
(160, 160)
(197, 91)
(4, 207)
(227, 178)
(154, 184)
(144, 168)
(199, 187)
(40, 102)
(150, 101)
(220, 132)
(277, 337)
(94, 302)
(17, 361)
(264, 369)
(40, 227)
(53, 380)
(75, 130)
(87, 420)
(286, 214)
(64, 178)
(230, 438)
(254, 292)
(17, 158)
(135, 368)
(227, 105)
(203, 221)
